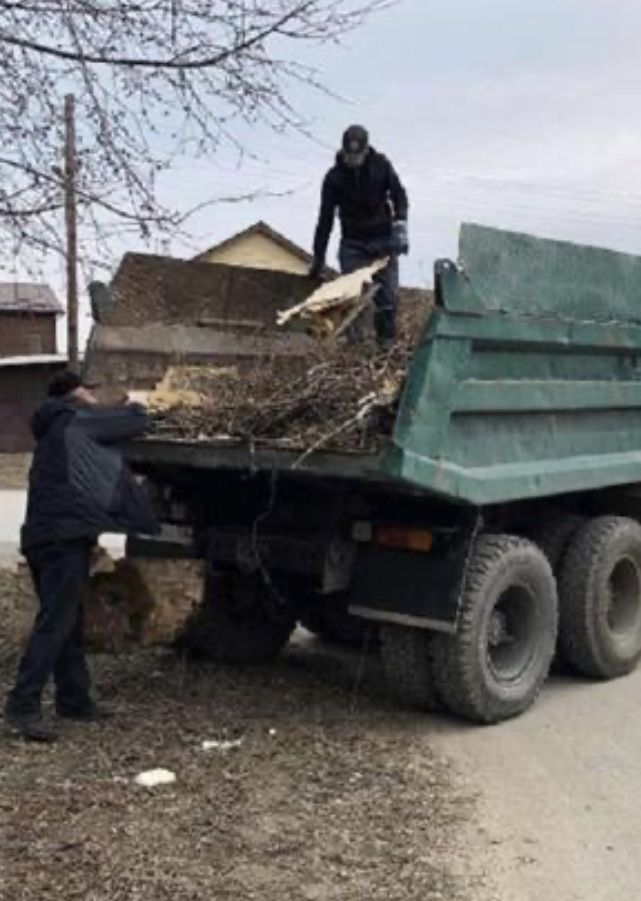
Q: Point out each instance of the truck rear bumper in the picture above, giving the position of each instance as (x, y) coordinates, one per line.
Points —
(420, 589)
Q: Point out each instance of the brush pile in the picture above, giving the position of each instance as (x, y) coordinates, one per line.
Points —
(339, 397)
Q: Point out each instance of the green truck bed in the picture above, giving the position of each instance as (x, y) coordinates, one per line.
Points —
(525, 383)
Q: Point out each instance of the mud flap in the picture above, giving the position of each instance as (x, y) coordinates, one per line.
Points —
(412, 588)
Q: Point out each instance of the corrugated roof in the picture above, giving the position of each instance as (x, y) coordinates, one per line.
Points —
(28, 297)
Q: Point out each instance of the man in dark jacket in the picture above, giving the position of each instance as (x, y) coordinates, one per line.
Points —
(372, 207)
(79, 487)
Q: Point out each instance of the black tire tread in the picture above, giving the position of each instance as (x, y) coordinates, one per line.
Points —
(452, 655)
(554, 537)
(576, 638)
(213, 635)
(407, 661)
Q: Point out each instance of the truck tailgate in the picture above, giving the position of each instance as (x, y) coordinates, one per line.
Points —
(222, 454)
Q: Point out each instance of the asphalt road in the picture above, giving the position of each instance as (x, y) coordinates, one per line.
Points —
(559, 792)
(558, 788)
(12, 504)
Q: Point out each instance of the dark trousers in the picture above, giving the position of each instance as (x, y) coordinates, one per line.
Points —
(353, 255)
(60, 574)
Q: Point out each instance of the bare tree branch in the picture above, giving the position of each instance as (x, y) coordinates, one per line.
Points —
(154, 81)
(176, 62)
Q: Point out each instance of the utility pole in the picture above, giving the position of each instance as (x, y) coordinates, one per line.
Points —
(70, 221)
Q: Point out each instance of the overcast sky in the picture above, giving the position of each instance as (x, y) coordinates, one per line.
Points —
(515, 114)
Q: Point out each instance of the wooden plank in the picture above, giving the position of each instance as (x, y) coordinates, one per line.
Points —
(340, 291)
(358, 311)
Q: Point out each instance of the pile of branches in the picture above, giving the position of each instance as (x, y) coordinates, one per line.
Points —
(343, 398)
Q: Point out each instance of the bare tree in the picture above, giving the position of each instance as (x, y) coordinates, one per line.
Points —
(153, 80)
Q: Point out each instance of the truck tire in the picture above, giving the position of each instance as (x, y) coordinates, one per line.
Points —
(553, 537)
(494, 666)
(600, 598)
(238, 621)
(407, 662)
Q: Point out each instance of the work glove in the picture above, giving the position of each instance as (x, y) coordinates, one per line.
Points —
(400, 239)
(315, 270)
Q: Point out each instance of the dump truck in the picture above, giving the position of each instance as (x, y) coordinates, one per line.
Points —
(495, 530)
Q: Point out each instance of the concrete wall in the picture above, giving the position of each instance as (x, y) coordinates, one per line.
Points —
(22, 334)
(259, 252)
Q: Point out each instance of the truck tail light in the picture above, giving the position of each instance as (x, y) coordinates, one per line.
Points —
(403, 538)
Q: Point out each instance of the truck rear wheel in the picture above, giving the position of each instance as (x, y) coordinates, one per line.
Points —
(554, 535)
(407, 661)
(600, 598)
(494, 666)
(239, 621)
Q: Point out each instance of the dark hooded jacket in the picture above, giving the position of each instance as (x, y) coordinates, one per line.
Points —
(368, 200)
(79, 485)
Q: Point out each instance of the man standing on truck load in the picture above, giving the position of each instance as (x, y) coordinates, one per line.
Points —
(79, 487)
(372, 207)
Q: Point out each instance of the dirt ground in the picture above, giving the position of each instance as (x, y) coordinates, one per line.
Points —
(333, 792)
(14, 470)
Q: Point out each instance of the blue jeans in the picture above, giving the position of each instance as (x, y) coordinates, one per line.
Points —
(353, 255)
(60, 573)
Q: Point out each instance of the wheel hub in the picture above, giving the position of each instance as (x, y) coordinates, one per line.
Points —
(624, 606)
(497, 632)
(511, 633)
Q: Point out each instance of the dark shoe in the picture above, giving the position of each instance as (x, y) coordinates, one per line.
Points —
(90, 714)
(30, 727)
